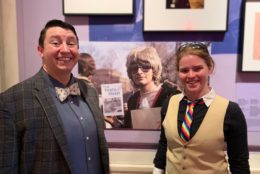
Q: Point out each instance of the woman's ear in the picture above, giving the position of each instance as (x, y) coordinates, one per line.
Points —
(211, 69)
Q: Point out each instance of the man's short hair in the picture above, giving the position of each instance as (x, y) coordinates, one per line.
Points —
(55, 23)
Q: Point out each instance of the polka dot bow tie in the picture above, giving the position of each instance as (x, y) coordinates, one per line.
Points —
(63, 93)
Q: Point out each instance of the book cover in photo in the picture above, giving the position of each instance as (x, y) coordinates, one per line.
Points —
(112, 97)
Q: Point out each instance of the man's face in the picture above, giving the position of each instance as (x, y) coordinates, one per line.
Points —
(142, 74)
(60, 52)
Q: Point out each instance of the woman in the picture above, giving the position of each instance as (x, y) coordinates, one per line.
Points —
(194, 140)
(144, 68)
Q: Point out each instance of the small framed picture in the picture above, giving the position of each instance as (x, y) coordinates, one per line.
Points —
(185, 15)
(251, 40)
(98, 7)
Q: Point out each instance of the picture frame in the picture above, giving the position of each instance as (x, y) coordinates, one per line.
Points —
(98, 7)
(250, 61)
(157, 17)
(124, 137)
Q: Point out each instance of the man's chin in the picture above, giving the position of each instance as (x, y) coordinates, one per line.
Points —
(65, 68)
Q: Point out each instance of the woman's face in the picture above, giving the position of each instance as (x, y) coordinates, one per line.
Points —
(194, 74)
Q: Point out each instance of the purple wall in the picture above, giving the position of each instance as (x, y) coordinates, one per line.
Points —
(31, 18)
(33, 14)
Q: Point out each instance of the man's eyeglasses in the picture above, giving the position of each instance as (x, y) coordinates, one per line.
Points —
(144, 66)
(193, 45)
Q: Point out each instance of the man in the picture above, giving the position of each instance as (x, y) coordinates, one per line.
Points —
(86, 70)
(44, 132)
(86, 67)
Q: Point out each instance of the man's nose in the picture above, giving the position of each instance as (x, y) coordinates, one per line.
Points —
(139, 70)
(64, 47)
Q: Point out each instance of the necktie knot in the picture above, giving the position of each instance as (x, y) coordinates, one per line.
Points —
(195, 102)
(191, 103)
(63, 93)
(188, 118)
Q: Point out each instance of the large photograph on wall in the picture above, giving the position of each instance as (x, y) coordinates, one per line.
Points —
(110, 59)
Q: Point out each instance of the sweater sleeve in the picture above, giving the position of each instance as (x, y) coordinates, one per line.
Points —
(235, 129)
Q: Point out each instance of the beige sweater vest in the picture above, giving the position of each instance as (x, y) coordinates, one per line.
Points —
(204, 153)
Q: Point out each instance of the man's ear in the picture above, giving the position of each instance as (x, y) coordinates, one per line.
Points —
(40, 51)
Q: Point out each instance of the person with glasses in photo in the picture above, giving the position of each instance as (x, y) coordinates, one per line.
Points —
(144, 68)
(202, 132)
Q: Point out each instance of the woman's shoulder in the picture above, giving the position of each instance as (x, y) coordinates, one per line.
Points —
(233, 107)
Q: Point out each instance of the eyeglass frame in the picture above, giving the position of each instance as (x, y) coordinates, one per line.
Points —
(144, 69)
(193, 45)
(199, 46)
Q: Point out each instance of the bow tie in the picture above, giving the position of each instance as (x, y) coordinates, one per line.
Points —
(63, 93)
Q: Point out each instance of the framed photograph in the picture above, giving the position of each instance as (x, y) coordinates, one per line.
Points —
(251, 40)
(110, 60)
(185, 15)
(98, 7)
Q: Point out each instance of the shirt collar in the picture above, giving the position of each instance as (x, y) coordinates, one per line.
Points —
(55, 83)
(207, 98)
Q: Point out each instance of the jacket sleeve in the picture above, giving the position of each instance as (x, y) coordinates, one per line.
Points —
(8, 140)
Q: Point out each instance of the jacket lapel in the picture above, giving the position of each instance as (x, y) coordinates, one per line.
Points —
(42, 93)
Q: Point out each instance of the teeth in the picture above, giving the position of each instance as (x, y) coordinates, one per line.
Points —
(64, 58)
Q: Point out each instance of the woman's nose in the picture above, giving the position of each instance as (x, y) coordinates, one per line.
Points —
(191, 73)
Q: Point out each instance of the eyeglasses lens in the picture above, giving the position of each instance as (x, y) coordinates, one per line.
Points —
(145, 67)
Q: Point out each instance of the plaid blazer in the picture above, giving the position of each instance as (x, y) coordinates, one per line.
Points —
(32, 139)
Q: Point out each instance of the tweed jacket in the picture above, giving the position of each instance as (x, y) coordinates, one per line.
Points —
(32, 139)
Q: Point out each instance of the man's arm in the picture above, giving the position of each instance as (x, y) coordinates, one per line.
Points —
(8, 141)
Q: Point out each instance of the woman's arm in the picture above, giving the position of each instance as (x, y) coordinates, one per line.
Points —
(235, 129)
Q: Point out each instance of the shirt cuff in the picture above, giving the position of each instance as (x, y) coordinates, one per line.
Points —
(157, 171)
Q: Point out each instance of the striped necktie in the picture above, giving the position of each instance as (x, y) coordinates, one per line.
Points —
(187, 121)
